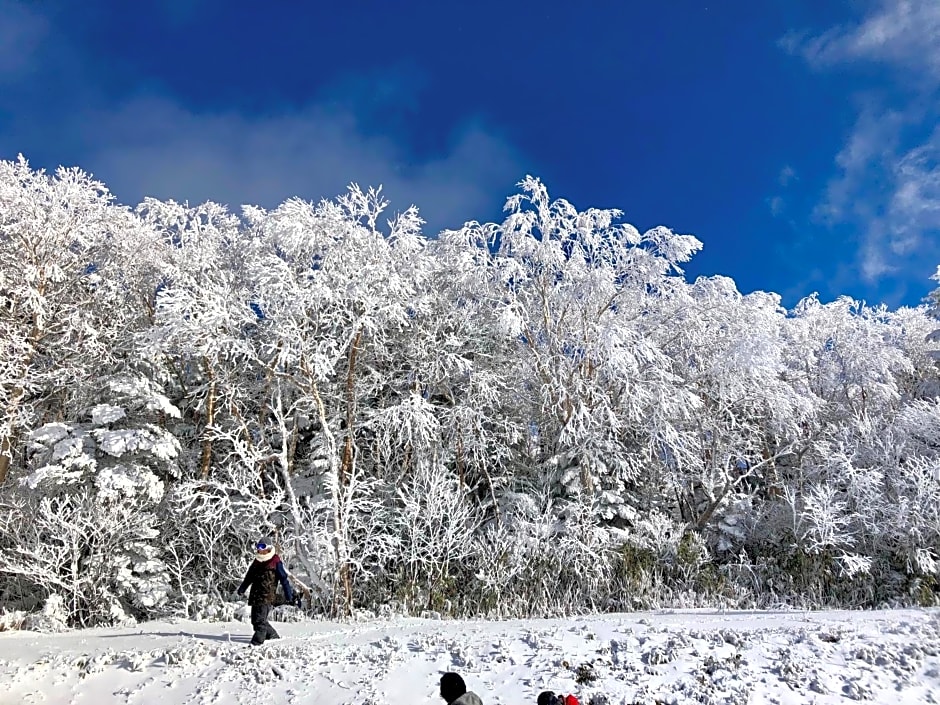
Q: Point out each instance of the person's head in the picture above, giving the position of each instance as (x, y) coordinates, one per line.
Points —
(452, 687)
(547, 697)
(264, 549)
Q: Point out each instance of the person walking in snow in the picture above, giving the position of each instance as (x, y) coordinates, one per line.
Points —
(454, 691)
(547, 697)
(262, 577)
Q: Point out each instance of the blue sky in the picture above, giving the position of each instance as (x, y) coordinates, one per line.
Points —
(797, 139)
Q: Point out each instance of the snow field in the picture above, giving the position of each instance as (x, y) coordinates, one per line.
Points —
(673, 657)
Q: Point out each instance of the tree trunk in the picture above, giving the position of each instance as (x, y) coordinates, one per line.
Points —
(346, 465)
(7, 442)
(340, 550)
(206, 460)
(6, 456)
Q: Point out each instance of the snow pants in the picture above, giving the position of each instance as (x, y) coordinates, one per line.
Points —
(261, 625)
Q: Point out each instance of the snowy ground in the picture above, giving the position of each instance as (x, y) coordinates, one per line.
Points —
(673, 657)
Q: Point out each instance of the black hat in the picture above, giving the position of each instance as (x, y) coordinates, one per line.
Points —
(452, 686)
(547, 697)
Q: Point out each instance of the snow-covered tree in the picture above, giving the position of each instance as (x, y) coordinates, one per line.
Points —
(84, 523)
(57, 307)
(728, 351)
(539, 415)
(574, 293)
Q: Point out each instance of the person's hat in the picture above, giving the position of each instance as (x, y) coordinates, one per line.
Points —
(264, 549)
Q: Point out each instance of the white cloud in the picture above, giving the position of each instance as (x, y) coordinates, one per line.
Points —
(154, 147)
(777, 205)
(889, 191)
(869, 149)
(352, 130)
(914, 208)
(887, 184)
(903, 33)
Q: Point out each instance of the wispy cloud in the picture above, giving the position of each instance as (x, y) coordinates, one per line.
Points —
(787, 176)
(902, 33)
(887, 180)
(778, 203)
(914, 208)
(869, 149)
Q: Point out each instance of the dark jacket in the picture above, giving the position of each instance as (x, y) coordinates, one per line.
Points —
(262, 577)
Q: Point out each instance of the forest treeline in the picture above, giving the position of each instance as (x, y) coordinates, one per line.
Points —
(538, 416)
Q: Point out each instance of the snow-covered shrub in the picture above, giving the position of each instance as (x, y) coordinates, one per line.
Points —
(434, 522)
(84, 522)
(540, 558)
(98, 554)
(53, 617)
(12, 620)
